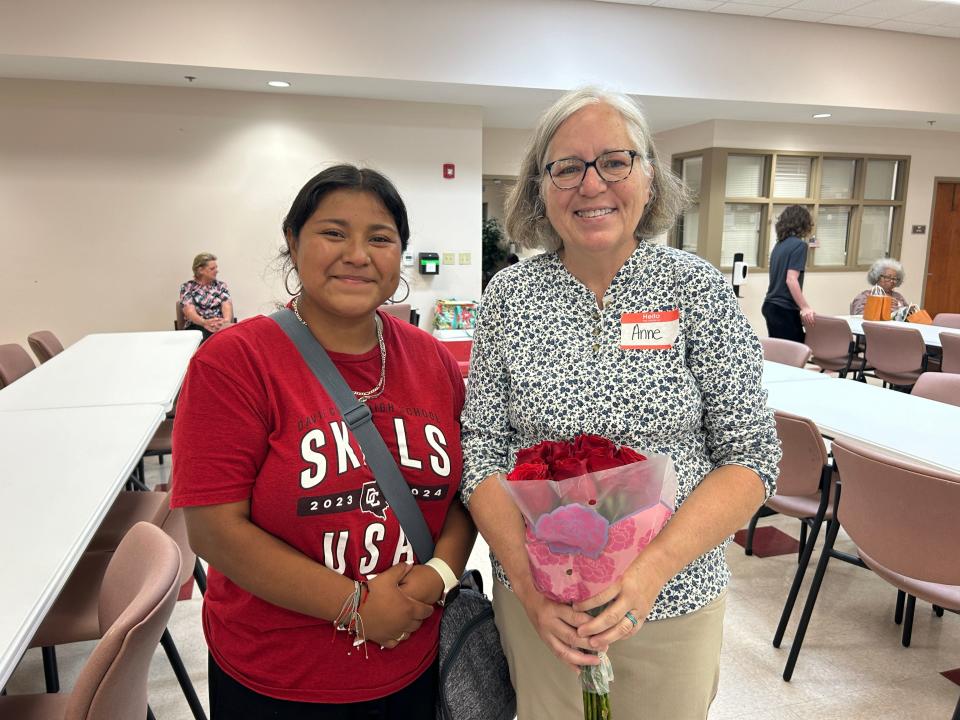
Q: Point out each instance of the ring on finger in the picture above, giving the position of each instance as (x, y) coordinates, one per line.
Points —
(632, 618)
(403, 636)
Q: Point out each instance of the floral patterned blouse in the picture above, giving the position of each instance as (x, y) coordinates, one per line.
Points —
(207, 300)
(547, 363)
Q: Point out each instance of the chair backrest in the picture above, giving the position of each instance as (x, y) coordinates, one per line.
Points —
(950, 342)
(398, 310)
(940, 386)
(950, 320)
(901, 514)
(804, 454)
(44, 345)
(180, 320)
(15, 362)
(893, 347)
(173, 522)
(829, 339)
(137, 597)
(786, 352)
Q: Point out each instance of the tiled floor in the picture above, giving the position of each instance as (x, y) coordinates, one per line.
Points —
(852, 665)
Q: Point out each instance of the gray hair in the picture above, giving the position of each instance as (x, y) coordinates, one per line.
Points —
(526, 216)
(876, 270)
(202, 259)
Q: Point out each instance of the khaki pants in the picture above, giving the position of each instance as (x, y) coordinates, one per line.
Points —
(669, 670)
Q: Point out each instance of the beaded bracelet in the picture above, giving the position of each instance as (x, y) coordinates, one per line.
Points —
(349, 619)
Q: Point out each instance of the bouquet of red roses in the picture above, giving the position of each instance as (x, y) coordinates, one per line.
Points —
(590, 507)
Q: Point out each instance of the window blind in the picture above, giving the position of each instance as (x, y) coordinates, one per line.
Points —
(832, 231)
(744, 176)
(836, 181)
(876, 229)
(792, 177)
(741, 233)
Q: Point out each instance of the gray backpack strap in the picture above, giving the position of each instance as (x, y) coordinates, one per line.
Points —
(359, 419)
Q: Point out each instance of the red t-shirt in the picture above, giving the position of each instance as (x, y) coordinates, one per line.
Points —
(253, 422)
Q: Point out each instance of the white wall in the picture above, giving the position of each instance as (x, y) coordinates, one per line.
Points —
(933, 154)
(108, 191)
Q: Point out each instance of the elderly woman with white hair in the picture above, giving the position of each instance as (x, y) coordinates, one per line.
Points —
(548, 363)
(888, 274)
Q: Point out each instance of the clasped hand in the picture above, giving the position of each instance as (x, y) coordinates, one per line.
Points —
(400, 599)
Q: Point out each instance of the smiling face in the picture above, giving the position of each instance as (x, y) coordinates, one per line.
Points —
(597, 216)
(347, 255)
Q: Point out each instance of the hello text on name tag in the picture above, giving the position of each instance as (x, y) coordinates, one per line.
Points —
(649, 330)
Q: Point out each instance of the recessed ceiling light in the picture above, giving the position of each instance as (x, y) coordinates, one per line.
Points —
(821, 116)
(278, 83)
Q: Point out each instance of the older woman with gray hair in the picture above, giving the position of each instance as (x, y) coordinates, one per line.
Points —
(549, 361)
(888, 274)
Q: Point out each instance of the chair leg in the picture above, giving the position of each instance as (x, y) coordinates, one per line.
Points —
(832, 529)
(956, 711)
(150, 714)
(908, 621)
(751, 529)
(182, 677)
(795, 587)
(898, 612)
(938, 611)
(803, 540)
(200, 576)
(50, 674)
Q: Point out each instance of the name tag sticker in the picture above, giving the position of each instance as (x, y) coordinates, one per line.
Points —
(649, 330)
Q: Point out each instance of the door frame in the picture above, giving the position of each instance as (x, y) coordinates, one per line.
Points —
(933, 208)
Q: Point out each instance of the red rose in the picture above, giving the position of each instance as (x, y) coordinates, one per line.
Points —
(558, 451)
(585, 444)
(603, 459)
(628, 455)
(568, 467)
(536, 470)
(541, 452)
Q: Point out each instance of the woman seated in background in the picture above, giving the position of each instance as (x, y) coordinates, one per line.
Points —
(888, 274)
(206, 300)
(283, 507)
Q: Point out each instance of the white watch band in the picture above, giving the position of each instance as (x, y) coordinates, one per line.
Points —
(450, 581)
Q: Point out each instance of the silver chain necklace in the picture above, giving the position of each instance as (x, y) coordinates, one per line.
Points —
(377, 389)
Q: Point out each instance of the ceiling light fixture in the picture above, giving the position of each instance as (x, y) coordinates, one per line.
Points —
(821, 116)
(278, 83)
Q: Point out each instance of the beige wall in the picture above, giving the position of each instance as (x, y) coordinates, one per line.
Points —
(108, 191)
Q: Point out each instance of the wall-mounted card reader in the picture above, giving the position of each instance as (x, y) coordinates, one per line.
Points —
(429, 263)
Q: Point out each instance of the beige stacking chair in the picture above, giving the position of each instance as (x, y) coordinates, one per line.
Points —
(833, 347)
(44, 345)
(939, 386)
(950, 320)
(950, 342)
(15, 362)
(786, 352)
(897, 354)
(131, 610)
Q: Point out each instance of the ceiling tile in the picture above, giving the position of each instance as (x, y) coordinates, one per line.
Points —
(770, 3)
(739, 8)
(852, 20)
(830, 6)
(940, 14)
(943, 31)
(801, 15)
(888, 8)
(900, 26)
(689, 4)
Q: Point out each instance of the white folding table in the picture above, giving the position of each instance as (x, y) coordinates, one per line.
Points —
(774, 372)
(62, 469)
(930, 333)
(108, 369)
(913, 427)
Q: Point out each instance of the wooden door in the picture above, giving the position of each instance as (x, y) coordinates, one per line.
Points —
(942, 290)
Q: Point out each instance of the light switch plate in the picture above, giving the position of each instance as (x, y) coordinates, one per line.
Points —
(465, 258)
(449, 258)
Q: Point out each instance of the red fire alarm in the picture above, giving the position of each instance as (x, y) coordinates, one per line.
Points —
(449, 171)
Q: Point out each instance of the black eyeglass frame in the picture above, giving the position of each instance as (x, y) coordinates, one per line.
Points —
(592, 164)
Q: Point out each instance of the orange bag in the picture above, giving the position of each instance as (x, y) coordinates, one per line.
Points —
(879, 305)
(920, 316)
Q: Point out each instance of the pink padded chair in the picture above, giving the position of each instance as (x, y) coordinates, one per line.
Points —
(131, 609)
(902, 517)
(950, 362)
(833, 346)
(950, 320)
(939, 386)
(398, 310)
(15, 362)
(44, 345)
(896, 352)
(73, 617)
(786, 352)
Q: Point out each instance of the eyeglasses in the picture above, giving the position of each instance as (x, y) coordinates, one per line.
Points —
(612, 166)
(891, 278)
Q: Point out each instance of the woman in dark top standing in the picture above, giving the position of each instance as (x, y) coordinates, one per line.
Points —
(785, 308)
